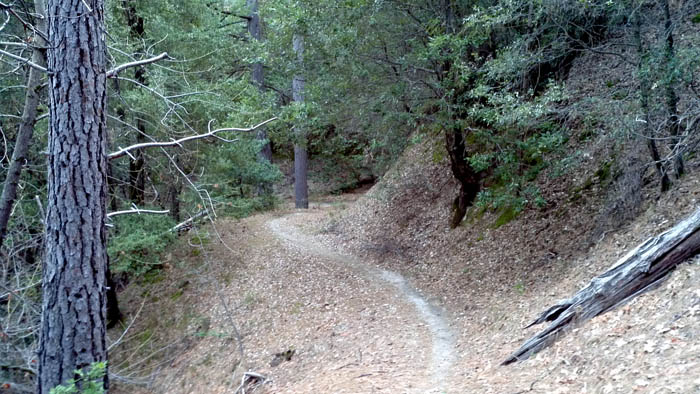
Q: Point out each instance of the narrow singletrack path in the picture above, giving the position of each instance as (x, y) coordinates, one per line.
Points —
(437, 345)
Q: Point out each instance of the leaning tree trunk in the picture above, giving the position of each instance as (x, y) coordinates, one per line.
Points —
(26, 126)
(301, 189)
(73, 320)
(638, 271)
(469, 183)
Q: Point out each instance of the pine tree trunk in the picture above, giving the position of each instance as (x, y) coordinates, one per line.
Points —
(26, 126)
(301, 190)
(255, 30)
(74, 291)
(137, 165)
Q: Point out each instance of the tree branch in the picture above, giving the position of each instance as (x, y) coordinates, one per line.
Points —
(110, 74)
(189, 221)
(23, 60)
(137, 211)
(211, 133)
(113, 72)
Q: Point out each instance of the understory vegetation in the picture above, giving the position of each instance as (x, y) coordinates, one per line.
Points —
(488, 81)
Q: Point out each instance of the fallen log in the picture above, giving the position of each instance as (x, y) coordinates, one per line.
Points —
(640, 270)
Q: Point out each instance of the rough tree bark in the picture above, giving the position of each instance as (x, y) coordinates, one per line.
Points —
(469, 184)
(454, 138)
(73, 320)
(301, 190)
(26, 126)
(640, 270)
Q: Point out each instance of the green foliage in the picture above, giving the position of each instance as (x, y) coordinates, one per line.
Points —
(519, 141)
(90, 382)
(138, 241)
(507, 215)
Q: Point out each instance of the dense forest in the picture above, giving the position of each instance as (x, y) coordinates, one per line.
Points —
(126, 124)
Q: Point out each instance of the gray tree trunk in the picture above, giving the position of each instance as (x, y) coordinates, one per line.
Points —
(73, 320)
(255, 30)
(26, 126)
(301, 189)
(640, 270)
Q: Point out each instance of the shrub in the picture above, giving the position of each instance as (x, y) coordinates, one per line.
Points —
(90, 382)
(138, 241)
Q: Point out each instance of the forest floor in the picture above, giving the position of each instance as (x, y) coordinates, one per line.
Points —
(312, 317)
(317, 315)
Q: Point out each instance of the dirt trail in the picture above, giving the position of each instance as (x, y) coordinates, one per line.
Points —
(354, 325)
(439, 344)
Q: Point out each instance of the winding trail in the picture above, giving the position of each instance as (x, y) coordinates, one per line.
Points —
(442, 355)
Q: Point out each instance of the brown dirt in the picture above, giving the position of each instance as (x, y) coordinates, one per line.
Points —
(494, 281)
(351, 329)
(352, 332)
(311, 282)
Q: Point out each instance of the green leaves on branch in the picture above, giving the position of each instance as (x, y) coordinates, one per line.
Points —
(87, 382)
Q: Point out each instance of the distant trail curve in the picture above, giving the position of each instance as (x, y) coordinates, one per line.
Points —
(442, 354)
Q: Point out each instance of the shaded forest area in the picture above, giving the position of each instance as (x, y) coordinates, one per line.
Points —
(199, 108)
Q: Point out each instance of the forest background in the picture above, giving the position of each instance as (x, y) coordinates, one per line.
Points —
(353, 84)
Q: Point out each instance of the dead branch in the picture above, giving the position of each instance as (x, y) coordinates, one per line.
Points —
(640, 270)
(211, 133)
(250, 378)
(137, 211)
(23, 60)
(126, 330)
(110, 74)
(189, 221)
(113, 72)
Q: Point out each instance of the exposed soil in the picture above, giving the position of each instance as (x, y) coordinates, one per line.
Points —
(373, 293)
(356, 326)
(345, 325)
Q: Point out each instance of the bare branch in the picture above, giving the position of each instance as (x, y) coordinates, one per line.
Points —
(7, 20)
(113, 72)
(23, 60)
(136, 211)
(126, 330)
(211, 133)
(110, 74)
(14, 43)
(189, 221)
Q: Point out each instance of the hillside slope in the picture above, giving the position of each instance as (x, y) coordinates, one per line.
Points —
(313, 283)
(495, 280)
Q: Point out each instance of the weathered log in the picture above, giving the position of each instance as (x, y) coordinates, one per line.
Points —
(640, 270)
